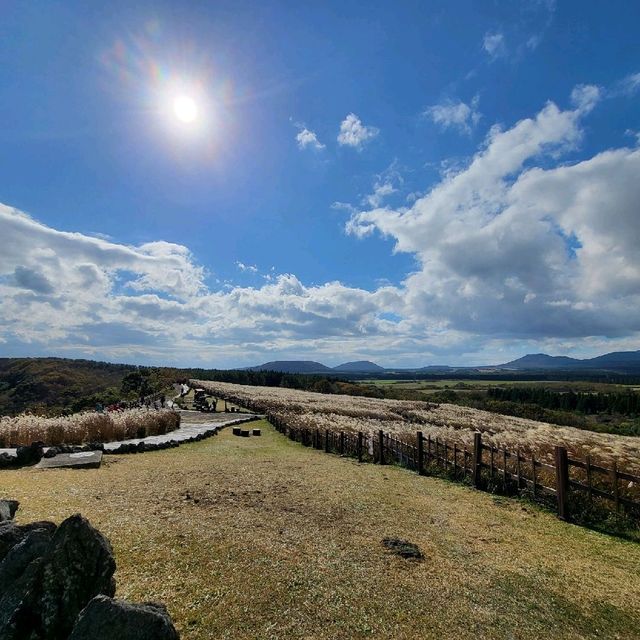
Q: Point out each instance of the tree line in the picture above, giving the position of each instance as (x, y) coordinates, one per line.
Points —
(625, 403)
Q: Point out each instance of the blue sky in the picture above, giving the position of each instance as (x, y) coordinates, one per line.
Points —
(408, 182)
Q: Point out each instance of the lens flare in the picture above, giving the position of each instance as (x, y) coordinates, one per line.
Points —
(185, 109)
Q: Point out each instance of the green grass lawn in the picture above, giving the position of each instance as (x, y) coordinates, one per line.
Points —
(263, 538)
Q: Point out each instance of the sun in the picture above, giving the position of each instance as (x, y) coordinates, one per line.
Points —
(185, 109)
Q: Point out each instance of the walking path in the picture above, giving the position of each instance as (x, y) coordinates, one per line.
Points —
(193, 426)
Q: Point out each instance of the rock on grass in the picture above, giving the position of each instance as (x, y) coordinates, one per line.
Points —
(403, 548)
(108, 619)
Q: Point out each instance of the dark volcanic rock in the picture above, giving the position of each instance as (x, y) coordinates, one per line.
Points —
(29, 455)
(12, 534)
(33, 546)
(108, 619)
(18, 603)
(8, 509)
(20, 575)
(403, 548)
(78, 566)
(59, 581)
(6, 460)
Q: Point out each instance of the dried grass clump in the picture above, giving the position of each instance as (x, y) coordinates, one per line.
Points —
(86, 427)
(456, 424)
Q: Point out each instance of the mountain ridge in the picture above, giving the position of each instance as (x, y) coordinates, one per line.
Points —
(360, 366)
(619, 361)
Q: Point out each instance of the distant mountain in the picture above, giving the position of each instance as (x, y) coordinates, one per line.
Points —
(620, 361)
(360, 366)
(616, 360)
(292, 366)
(541, 361)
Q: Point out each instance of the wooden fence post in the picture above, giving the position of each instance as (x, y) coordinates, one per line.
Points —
(616, 488)
(360, 438)
(455, 461)
(381, 446)
(342, 443)
(477, 460)
(420, 453)
(562, 482)
(326, 440)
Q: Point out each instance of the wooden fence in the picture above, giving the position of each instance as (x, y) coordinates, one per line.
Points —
(563, 485)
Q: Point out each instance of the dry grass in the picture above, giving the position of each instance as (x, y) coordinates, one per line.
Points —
(86, 427)
(451, 422)
(262, 538)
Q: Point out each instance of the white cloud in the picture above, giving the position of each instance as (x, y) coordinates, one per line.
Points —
(503, 242)
(585, 97)
(631, 84)
(515, 251)
(494, 44)
(77, 294)
(380, 191)
(354, 134)
(307, 138)
(635, 134)
(343, 206)
(457, 115)
(251, 268)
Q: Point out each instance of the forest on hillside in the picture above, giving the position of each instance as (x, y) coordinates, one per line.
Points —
(58, 385)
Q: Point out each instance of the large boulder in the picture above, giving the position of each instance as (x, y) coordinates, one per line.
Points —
(6, 460)
(28, 455)
(78, 566)
(12, 534)
(33, 546)
(108, 619)
(8, 509)
(18, 604)
(57, 581)
(20, 574)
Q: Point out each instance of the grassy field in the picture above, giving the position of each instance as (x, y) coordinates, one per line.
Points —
(263, 538)
(433, 386)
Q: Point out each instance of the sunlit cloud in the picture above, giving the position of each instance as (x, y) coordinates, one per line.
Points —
(457, 115)
(307, 138)
(355, 134)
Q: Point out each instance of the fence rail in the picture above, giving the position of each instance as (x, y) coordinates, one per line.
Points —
(560, 485)
(484, 466)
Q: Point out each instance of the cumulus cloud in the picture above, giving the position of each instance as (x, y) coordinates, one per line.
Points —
(32, 280)
(457, 115)
(307, 138)
(80, 294)
(513, 249)
(516, 247)
(494, 44)
(355, 134)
